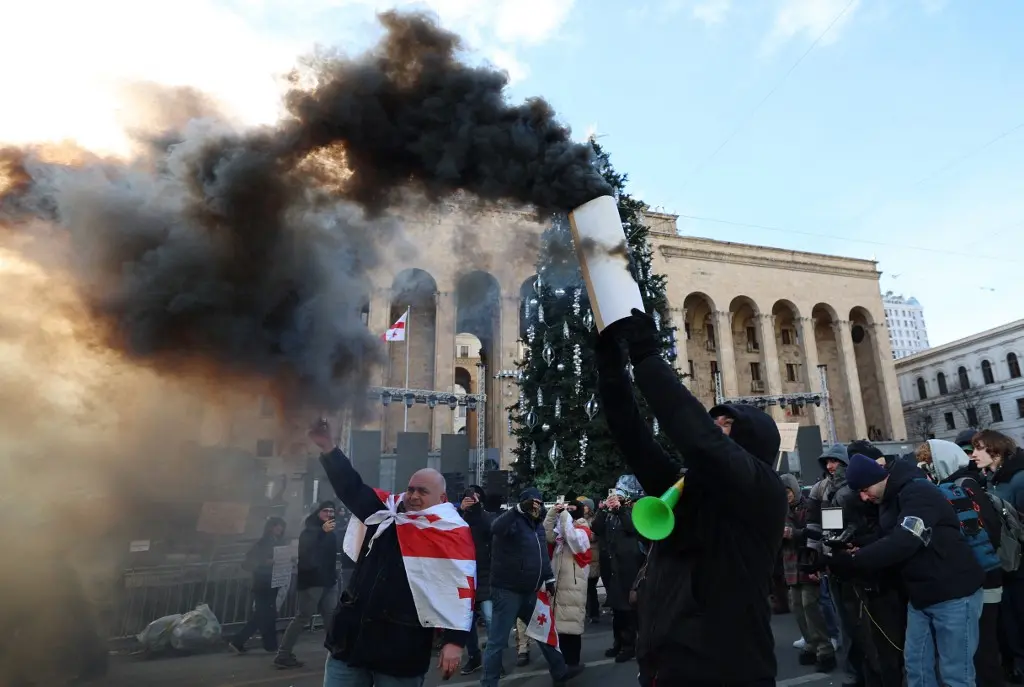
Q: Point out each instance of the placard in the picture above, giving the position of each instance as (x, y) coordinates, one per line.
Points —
(282, 573)
(787, 434)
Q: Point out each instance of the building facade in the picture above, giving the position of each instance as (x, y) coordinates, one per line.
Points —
(767, 320)
(908, 333)
(974, 382)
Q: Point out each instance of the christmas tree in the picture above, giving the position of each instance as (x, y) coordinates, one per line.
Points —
(563, 442)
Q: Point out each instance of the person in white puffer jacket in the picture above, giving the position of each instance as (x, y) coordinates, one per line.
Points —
(569, 542)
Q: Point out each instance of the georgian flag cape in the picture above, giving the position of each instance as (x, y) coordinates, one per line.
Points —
(439, 555)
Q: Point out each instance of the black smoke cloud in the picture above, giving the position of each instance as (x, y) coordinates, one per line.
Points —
(245, 255)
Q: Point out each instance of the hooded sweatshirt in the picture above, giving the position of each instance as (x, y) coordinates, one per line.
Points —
(716, 565)
(950, 465)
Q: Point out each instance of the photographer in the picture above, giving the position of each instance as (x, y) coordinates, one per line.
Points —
(702, 606)
(620, 563)
(479, 520)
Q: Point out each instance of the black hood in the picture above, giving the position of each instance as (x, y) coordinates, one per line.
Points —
(753, 429)
(1012, 464)
(313, 519)
(901, 472)
(270, 523)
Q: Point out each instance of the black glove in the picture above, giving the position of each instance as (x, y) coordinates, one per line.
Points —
(610, 354)
(639, 333)
(841, 562)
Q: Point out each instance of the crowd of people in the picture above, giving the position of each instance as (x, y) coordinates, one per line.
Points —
(908, 567)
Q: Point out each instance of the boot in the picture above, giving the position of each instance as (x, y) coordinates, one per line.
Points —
(614, 651)
(625, 655)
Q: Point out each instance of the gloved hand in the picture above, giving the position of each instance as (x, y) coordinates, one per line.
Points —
(841, 562)
(610, 354)
(639, 333)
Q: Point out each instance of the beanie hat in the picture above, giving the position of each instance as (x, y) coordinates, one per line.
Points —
(324, 505)
(862, 472)
(530, 494)
(965, 439)
(834, 452)
(865, 448)
(589, 503)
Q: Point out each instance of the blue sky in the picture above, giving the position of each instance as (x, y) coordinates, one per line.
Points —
(752, 119)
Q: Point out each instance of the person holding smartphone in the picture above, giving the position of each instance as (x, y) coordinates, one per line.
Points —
(471, 508)
(620, 563)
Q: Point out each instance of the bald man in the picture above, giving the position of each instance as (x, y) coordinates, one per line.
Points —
(376, 637)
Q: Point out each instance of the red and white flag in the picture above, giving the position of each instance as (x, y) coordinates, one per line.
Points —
(542, 624)
(397, 330)
(439, 555)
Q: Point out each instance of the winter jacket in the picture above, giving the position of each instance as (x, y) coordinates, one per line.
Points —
(259, 560)
(703, 604)
(567, 543)
(318, 555)
(620, 554)
(1008, 481)
(950, 465)
(795, 554)
(479, 522)
(519, 553)
(376, 626)
(940, 570)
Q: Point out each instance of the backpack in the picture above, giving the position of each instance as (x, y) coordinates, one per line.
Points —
(971, 526)
(1011, 535)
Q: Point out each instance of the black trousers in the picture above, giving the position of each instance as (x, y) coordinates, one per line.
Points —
(593, 603)
(885, 614)
(263, 617)
(1011, 621)
(571, 646)
(624, 625)
(988, 664)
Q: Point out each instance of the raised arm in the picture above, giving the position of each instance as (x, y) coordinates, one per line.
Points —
(654, 467)
(358, 497)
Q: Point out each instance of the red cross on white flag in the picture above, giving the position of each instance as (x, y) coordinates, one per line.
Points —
(397, 330)
(542, 624)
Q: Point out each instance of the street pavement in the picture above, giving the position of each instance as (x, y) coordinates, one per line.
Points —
(255, 669)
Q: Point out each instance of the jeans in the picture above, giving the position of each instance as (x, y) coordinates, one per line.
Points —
(804, 601)
(306, 604)
(484, 610)
(262, 617)
(507, 606)
(828, 609)
(954, 625)
(339, 674)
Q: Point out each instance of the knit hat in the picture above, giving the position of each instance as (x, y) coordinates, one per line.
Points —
(589, 503)
(865, 448)
(862, 472)
(965, 439)
(324, 505)
(530, 494)
(834, 452)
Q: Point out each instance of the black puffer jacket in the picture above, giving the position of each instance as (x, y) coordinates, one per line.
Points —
(318, 554)
(619, 553)
(942, 570)
(703, 605)
(519, 552)
(376, 626)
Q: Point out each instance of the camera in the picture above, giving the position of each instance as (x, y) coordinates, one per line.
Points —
(834, 534)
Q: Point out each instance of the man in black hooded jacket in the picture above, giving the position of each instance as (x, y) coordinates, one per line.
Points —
(703, 604)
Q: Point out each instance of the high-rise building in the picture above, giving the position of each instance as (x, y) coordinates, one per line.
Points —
(908, 333)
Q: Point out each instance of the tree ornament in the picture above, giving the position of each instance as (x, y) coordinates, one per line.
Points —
(548, 353)
(538, 283)
(657, 427)
(629, 369)
(588, 320)
(555, 454)
(657, 320)
(533, 455)
(540, 397)
(560, 367)
(545, 428)
(565, 329)
(559, 292)
(576, 301)
(592, 408)
(510, 424)
(584, 440)
(558, 406)
(530, 333)
(530, 420)
(540, 314)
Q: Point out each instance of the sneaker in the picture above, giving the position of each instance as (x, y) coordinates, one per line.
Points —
(288, 661)
(239, 650)
(613, 652)
(625, 655)
(570, 673)
(523, 659)
(826, 664)
(800, 644)
(474, 664)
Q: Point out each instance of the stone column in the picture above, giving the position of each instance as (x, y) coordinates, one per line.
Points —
(444, 365)
(505, 359)
(770, 360)
(844, 341)
(889, 384)
(725, 353)
(812, 380)
(678, 316)
(380, 305)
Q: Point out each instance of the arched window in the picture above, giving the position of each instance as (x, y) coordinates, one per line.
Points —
(1014, 365)
(921, 392)
(986, 372)
(965, 381)
(941, 379)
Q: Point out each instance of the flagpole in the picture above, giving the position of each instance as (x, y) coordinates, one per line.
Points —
(408, 341)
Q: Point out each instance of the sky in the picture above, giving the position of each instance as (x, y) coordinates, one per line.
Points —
(882, 129)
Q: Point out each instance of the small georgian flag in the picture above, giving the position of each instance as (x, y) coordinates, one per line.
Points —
(542, 624)
(397, 330)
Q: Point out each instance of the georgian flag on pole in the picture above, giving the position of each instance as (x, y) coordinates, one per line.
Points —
(542, 624)
(397, 330)
(439, 555)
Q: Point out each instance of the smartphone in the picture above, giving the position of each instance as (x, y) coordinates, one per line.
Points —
(560, 500)
(470, 494)
(611, 492)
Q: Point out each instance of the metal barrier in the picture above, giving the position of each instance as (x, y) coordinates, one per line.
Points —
(145, 594)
